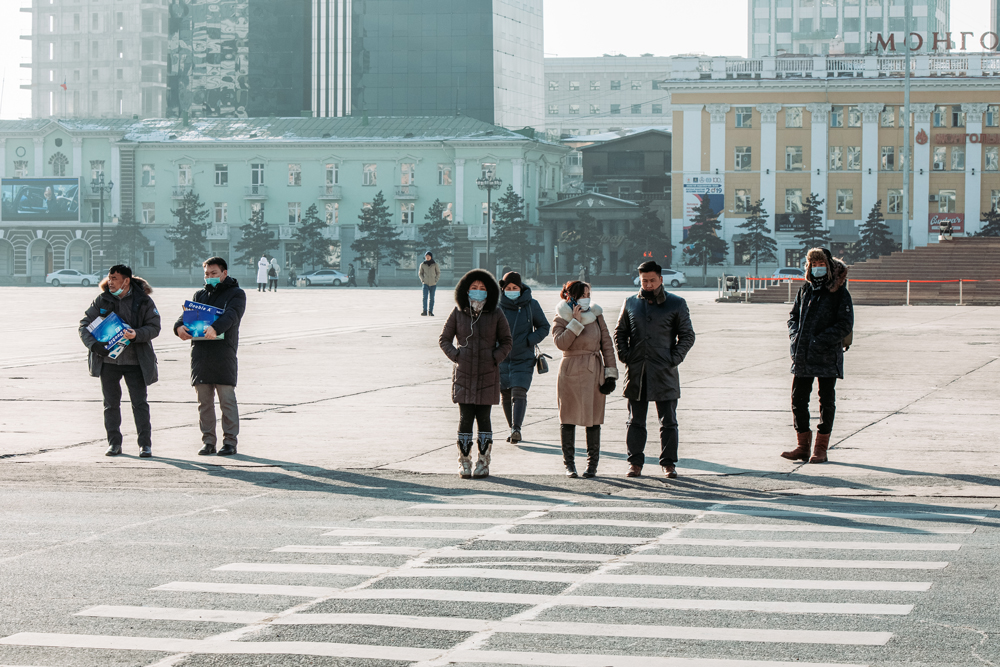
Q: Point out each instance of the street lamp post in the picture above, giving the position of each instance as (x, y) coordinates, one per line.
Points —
(489, 183)
(99, 187)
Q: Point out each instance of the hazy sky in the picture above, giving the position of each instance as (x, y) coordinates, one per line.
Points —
(572, 28)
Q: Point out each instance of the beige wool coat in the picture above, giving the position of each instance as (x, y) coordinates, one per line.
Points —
(588, 359)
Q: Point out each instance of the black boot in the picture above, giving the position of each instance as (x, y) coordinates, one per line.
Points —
(568, 432)
(593, 450)
(518, 407)
(506, 403)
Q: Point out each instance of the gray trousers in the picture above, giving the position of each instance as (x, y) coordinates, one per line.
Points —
(206, 413)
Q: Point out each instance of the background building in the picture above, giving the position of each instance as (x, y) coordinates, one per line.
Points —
(837, 26)
(98, 59)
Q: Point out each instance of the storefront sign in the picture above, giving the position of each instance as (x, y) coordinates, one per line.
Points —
(957, 221)
(967, 138)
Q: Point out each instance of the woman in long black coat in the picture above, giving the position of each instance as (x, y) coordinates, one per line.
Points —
(821, 319)
(528, 327)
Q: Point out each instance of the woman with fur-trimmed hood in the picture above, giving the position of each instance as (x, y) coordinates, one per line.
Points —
(484, 340)
(821, 319)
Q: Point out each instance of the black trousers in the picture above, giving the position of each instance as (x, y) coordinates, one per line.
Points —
(801, 391)
(468, 413)
(635, 436)
(111, 377)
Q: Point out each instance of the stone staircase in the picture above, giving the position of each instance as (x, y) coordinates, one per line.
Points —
(975, 261)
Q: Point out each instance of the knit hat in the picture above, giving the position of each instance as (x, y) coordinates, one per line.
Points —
(511, 278)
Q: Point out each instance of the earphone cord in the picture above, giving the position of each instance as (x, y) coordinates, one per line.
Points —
(472, 329)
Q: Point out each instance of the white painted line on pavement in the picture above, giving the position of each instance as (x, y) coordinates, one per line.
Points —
(936, 516)
(788, 562)
(418, 533)
(525, 522)
(594, 629)
(324, 549)
(556, 537)
(823, 528)
(404, 532)
(594, 660)
(175, 614)
(476, 506)
(454, 553)
(802, 544)
(441, 519)
(310, 568)
(248, 589)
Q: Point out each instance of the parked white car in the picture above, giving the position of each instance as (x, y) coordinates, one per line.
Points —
(670, 277)
(72, 277)
(788, 273)
(325, 277)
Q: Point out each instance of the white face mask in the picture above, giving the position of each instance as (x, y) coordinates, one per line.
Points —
(513, 294)
(584, 303)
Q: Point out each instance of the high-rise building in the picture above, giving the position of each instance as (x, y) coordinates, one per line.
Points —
(995, 16)
(820, 27)
(98, 59)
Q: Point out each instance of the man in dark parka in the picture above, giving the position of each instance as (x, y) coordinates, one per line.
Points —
(213, 359)
(653, 336)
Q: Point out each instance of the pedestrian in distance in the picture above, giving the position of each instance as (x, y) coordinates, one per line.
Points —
(352, 276)
(484, 341)
(262, 269)
(127, 296)
(821, 320)
(371, 277)
(293, 277)
(273, 271)
(582, 276)
(587, 374)
(429, 274)
(213, 359)
(653, 336)
(528, 328)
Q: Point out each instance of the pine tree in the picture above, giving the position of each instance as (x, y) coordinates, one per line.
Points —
(314, 246)
(127, 242)
(510, 231)
(810, 221)
(188, 235)
(378, 241)
(582, 243)
(875, 239)
(992, 226)
(757, 240)
(647, 240)
(256, 241)
(437, 234)
(703, 245)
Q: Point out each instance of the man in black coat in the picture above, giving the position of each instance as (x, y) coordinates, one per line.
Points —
(821, 319)
(653, 336)
(127, 296)
(213, 359)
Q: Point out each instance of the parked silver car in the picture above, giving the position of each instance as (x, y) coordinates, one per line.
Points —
(670, 277)
(72, 277)
(325, 277)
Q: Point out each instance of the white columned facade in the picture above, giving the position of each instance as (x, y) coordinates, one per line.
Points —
(3, 158)
(870, 112)
(459, 191)
(78, 158)
(116, 175)
(819, 135)
(717, 147)
(39, 157)
(921, 174)
(517, 179)
(691, 151)
(973, 166)
(769, 158)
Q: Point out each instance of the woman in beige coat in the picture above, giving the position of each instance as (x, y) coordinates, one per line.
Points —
(586, 375)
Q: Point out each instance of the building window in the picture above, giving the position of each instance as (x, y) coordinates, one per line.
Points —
(332, 174)
(742, 158)
(407, 173)
(992, 156)
(888, 158)
(889, 117)
(992, 116)
(636, 84)
(793, 201)
(595, 108)
(486, 213)
(97, 169)
(294, 212)
(574, 85)
(900, 159)
(332, 212)
(59, 163)
(793, 117)
(853, 117)
(957, 116)
(444, 174)
(853, 158)
(95, 22)
(148, 212)
(994, 199)
(940, 156)
(845, 201)
(837, 116)
(257, 208)
(148, 175)
(615, 109)
(406, 213)
(946, 201)
(488, 169)
(616, 84)
(958, 158)
(574, 109)
(553, 109)
(76, 23)
(657, 108)
(20, 168)
(836, 158)
(369, 175)
(793, 158)
(148, 258)
(448, 212)
(895, 201)
(120, 48)
(295, 175)
(553, 85)
(76, 51)
(744, 117)
(940, 116)
(595, 85)
(795, 257)
(184, 175)
(741, 201)
(221, 212)
(636, 108)
(95, 211)
(222, 175)
(257, 173)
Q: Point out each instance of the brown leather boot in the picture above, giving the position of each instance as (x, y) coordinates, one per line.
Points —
(819, 453)
(800, 453)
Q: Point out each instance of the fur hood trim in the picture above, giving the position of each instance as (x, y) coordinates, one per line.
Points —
(137, 282)
(838, 270)
(492, 290)
(565, 311)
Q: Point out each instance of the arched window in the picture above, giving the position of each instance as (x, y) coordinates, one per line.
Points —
(58, 162)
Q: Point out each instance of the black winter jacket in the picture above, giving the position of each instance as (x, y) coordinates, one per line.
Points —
(142, 317)
(528, 327)
(652, 339)
(214, 361)
(822, 316)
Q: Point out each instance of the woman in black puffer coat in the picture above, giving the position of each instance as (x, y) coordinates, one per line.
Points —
(528, 327)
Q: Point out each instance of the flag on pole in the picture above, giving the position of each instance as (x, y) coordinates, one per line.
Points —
(63, 84)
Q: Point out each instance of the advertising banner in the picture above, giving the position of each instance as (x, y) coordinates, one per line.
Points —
(697, 188)
(40, 200)
(957, 221)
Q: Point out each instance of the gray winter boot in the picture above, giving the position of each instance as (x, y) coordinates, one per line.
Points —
(485, 445)
(465, 455)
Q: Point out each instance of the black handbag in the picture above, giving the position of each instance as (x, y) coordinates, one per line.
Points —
(541, 366)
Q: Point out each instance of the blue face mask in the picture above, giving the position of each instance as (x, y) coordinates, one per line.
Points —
(477, 294)
(213, 282)
(818, 271)
(119, 291)
(513, 294)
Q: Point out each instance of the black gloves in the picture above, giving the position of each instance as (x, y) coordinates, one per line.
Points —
(99, 349)
(608, 386)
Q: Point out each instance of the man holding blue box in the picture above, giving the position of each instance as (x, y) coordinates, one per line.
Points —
(126, 297)
(213, 356)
